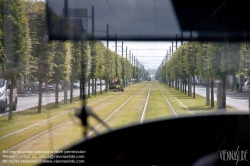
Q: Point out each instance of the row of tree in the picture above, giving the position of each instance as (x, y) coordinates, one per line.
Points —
(210, 60)
(24, 52)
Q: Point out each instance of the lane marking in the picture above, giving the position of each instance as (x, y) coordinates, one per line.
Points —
(183, 104)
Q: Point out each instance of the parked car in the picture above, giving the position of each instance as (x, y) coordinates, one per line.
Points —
(245, 87)
(52, 87)
(45, 88)
(5, 94)
(203, 82)
(98, 82)
(132, 80)
(77, 84)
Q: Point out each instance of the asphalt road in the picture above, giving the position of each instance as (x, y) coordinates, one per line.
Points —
(27, 101)
(236, 100)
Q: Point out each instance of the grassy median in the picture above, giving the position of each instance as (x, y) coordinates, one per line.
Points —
(51, 116)
(103, 106)
(196, 105)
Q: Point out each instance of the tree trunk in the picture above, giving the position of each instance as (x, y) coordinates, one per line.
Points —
(212, 92)
(80, 89)
(56, 94)
(200, 80)
(175, 84)
(183, 85)
(88, 88)
(106, 83)
(65, 89)
(228, 82)
(179, 85)
(100, 86)
(71, 90)
(12, 86)
(194, 86)
(241, 83)
(95, 86)
(39, 107)
(207, 91)
(186, 86)
(123, 83)
(234, 82)
(189, 86)
(224, 82)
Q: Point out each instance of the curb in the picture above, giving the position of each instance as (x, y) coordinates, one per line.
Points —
(25, 95)
(30, 94)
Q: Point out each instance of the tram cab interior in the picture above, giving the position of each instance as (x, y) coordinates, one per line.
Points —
(189, 140)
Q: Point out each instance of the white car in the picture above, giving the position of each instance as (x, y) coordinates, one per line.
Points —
(98, 82)
(245, 88)
(77, 84)
(5, 96)
(52, 87)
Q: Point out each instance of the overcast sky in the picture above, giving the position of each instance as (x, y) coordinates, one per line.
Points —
(150, 54)
(124, 17)
(130, 17)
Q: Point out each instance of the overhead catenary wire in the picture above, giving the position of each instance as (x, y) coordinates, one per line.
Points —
(116, 16)
(156, 28)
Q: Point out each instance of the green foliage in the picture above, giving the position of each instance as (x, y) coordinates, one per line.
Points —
(76, 60)
(208, 59)
(232, 57)
(110, 58)
(190, 58)
(80, 60)
(62, 58)
(202, 59)
(244, 62)
(41, 60)
(101, 63)
(16, 39)
(163, 73)
(129, 69)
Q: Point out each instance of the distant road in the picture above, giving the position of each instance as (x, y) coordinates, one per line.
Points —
(29, 101)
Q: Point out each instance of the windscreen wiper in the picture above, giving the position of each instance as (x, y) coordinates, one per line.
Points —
(84, 114)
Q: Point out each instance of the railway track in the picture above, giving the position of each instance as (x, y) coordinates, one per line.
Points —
(94, 130)
(143, 111)
(53, 127)
(172, 109)
(108, 117)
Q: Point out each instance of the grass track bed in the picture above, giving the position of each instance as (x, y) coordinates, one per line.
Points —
(157, 106)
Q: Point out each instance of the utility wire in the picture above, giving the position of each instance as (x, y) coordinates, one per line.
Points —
(156, 27)
(156, 19)
(116, 16)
